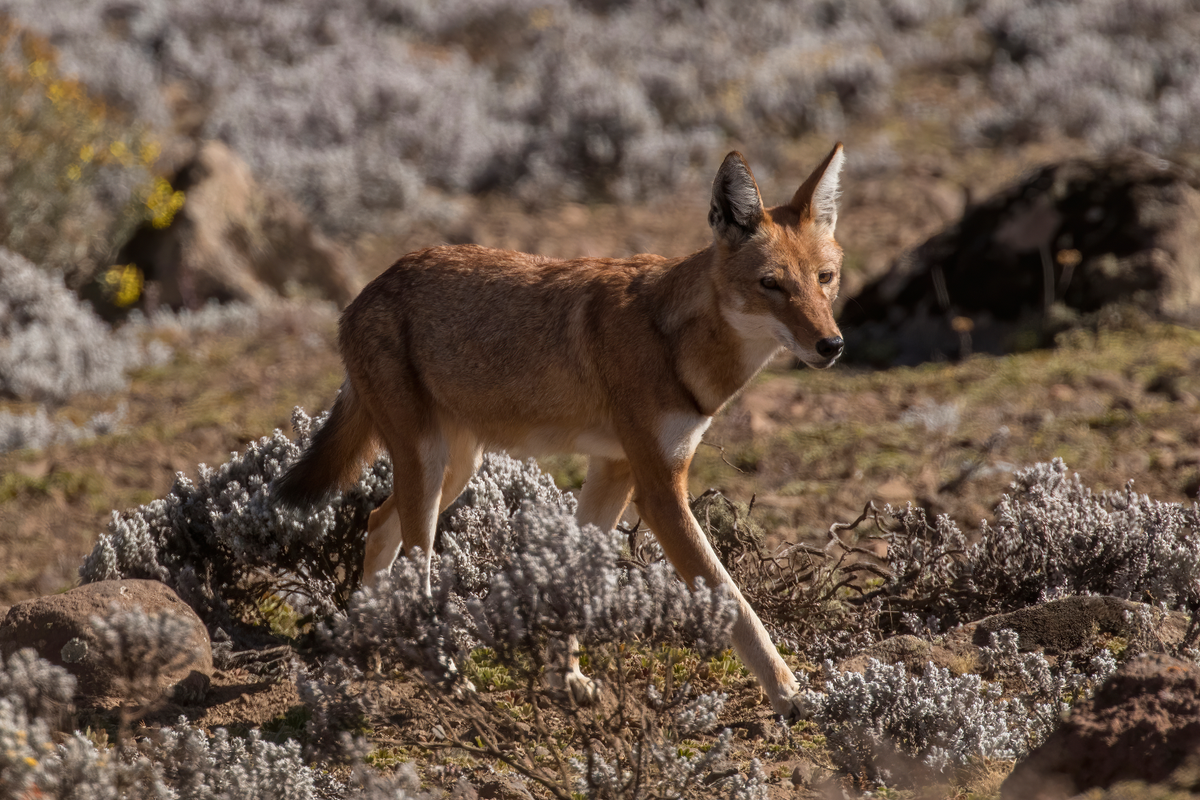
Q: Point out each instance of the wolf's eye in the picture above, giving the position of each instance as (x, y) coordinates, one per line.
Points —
(769, 283)
(826, 276)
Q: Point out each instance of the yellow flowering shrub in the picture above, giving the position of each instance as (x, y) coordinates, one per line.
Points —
(75, 177)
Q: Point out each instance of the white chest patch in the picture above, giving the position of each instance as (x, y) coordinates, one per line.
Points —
(679, 435)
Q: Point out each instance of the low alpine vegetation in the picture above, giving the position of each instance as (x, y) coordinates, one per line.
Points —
(514, 575)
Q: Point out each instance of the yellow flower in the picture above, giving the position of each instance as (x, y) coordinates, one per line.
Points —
(38, 68)
(163, 203)
(87, 153)
(124, 283)
(150, 152)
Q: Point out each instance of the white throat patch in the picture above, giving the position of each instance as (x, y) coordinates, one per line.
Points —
(762, 335)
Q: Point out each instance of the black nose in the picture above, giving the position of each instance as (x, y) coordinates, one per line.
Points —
(831, 347)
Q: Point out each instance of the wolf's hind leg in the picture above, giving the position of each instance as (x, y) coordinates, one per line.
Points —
(602, 501)
(385, 534)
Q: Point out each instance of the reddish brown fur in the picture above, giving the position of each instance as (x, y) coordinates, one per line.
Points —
(459, 349)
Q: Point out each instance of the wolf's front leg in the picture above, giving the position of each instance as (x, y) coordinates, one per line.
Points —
(661, 498)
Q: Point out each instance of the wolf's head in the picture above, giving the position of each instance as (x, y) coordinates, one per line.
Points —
(779, 269)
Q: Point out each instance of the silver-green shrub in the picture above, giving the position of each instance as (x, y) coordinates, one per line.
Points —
(478, 528)
(517, 572)
(178, 762)
(1052, 537)
(888, 725)
(1048, 691)
(208, 539)
(668, 772)
(52, 345)
(565, 580)
(359, 106)
(38, 429)
(207, 535)
(552, 580)
(34, 686)
(547, 579)
(212, 317)
(896, 728)
(1113, 72)
(38, 758)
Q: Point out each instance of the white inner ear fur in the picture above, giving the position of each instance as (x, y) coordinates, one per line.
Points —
(743, 197)
(825, 196)
(734, 188)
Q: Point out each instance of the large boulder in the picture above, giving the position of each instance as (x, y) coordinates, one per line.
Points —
(235, 239)
(1069, 240)
(1070, 624)
(141, 667)
(1142, 725)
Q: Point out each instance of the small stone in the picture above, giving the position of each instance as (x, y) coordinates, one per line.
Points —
(1062, 393)
(74, 651)
(802, 775)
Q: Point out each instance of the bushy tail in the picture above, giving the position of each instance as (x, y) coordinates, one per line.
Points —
(334, 456)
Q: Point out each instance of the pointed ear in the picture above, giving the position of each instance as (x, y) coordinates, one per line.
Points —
(737, 207)
(816, 199)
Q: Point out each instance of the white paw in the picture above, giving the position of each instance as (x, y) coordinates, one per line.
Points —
(793, 706)
(585, 690)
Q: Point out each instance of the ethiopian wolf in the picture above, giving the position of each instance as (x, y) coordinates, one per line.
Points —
(460, 349)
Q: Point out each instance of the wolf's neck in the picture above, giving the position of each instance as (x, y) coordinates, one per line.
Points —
(713, 357)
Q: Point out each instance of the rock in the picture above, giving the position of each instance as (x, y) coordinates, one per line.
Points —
(915, 654)
(1068, 624)
(235, 240)
(1121, 230)
(1056, 627)
(59, 628)
(1143, 724)
(770, 730)
(803, 774)
(504, 788)
(912, 651)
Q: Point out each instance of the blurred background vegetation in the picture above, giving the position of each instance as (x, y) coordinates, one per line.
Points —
(376, 115)
(76, 176)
